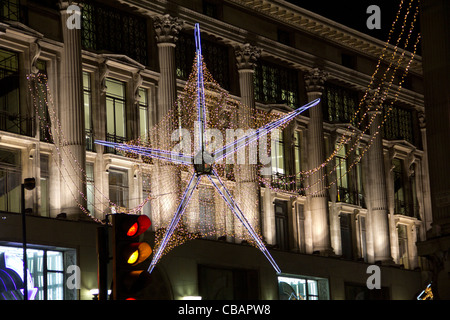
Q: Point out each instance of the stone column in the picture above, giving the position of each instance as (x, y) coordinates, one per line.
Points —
(71, 108)
(166, 177)
(377, 186)
(425, 181)
(246, 183)
(435, 29)
(166, 29)
(317, 195)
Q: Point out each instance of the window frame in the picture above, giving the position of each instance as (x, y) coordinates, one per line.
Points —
(121, 189)
(116, 100)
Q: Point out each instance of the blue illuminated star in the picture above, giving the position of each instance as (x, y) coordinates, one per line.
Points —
(203, 162)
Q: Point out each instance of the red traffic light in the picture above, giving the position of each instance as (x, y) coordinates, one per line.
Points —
(128, 255)
(136, 227)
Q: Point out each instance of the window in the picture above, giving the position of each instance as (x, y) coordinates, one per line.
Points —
(109, 29)
(405, 197)
(11, 118)
(346, 224)
(298, 161)
(143, 113)
(275, 84)
(301, 227)
(343, 192)
(41, 94)
(227, 284)
(10, 9)
(146, 191)
(115, 112)
(118, 188)
(90, 191)
(339, 104)
(414, 203)
(348, 181)
(402, 232)
(45, 273)
(215, 56)
(45, 185)
(10, 180)
(399, 124)
(359, 181)
(302, 288)
(363, 237)
(277, 153)
(87, 98)
(281, 225)
(400, 206)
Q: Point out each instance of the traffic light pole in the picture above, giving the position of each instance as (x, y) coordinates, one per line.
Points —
(102, 259)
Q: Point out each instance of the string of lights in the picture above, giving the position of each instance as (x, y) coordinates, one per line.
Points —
(382, 92)
(221, 115)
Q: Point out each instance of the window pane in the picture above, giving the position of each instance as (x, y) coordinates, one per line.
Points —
(10, 178)
(115, 88)
(90, 187)
(87, 100)
(118, 187)
(55, 287)
(44, 197)
(55, 261)
(120, 118)
(143, 113)
(312, 288)
(110, 129)
(143, 96)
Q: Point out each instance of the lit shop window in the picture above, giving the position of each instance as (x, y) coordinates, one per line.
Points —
(45, 275)
(302, 288)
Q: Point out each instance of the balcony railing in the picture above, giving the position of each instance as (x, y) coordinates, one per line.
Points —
(15, 123)
(350, 197)
(289, 184)
(114, 138)
(90, 140)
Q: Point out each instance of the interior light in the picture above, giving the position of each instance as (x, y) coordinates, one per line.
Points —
(192, 298)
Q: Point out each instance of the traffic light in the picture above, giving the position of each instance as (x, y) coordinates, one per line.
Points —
(129, 254)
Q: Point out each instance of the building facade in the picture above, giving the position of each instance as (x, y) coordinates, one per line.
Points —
(118, 73)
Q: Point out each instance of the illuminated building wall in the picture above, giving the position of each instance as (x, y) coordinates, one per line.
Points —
(369, 203)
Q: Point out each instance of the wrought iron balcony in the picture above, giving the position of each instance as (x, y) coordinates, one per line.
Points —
(16, 123)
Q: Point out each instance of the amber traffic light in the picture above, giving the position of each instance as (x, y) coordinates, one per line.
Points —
(128, 255)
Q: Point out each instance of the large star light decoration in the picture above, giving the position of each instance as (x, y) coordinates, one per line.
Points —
(203, 162)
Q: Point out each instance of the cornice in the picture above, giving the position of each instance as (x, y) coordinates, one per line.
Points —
(327, 29)
(298, 18)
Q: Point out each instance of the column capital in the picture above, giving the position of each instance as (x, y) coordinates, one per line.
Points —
(373, 101)
(315, 80)
(246, 56)
(167, 28)
(422, 119)
(64, 4)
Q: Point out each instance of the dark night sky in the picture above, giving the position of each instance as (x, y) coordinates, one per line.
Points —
(352, 13)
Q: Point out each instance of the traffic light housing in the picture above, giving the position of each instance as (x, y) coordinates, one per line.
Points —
(129, 254)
